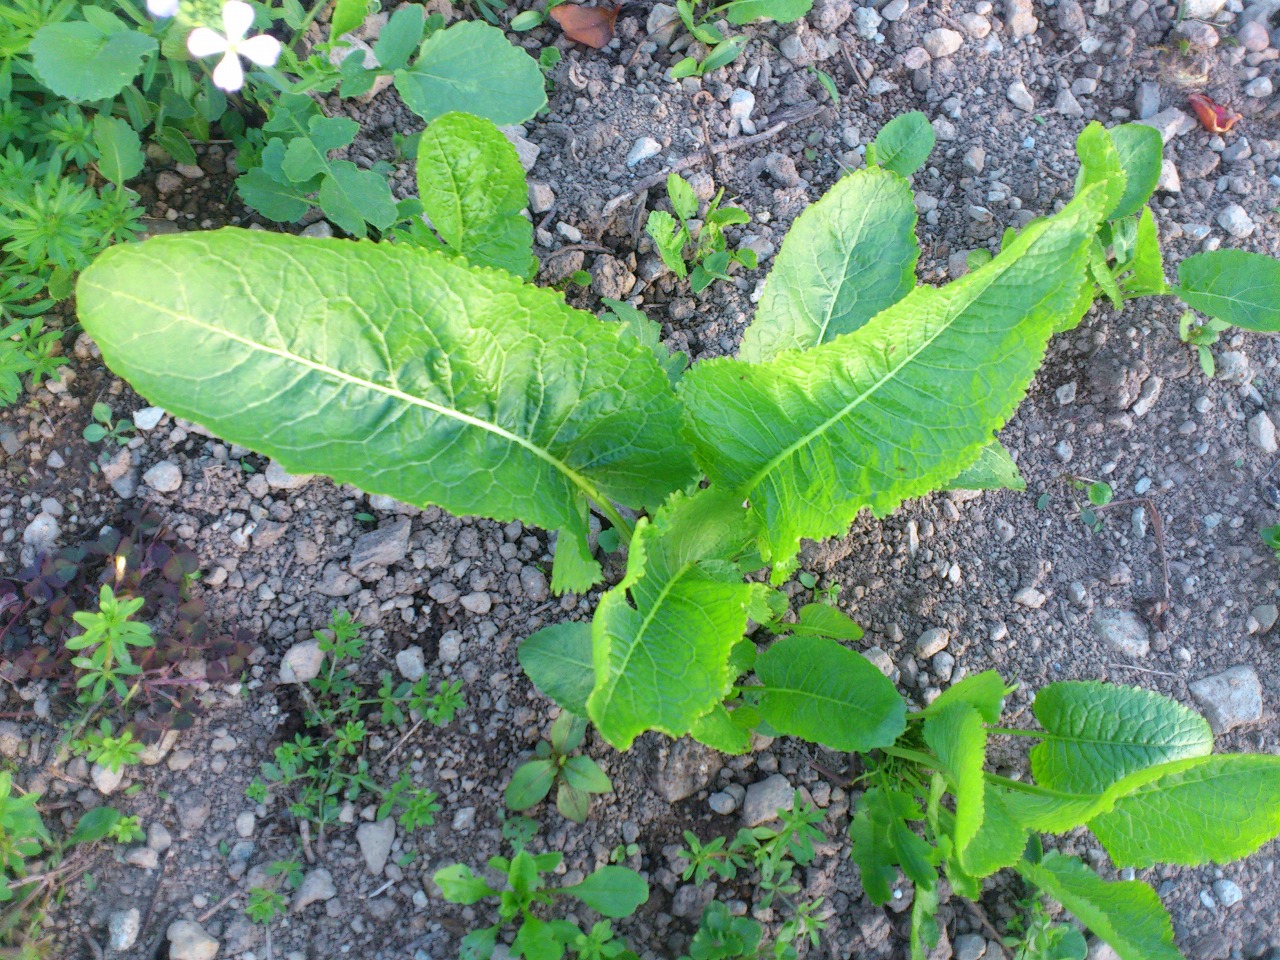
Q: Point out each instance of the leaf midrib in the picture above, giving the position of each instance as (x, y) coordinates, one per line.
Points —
(581, 482)
(785, 454)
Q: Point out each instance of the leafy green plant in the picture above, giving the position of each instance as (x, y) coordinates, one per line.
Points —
(611, 891)
(1033, 935)
(105, 747)
(328, 766)
(699, 19)
(1201, 335)
(673, 236)
(104, 427)
(26, 349)
(104, 646)
(574, 777)
(854, 389)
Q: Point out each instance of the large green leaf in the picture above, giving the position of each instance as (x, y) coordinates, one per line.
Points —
(611, 891)
(959, 740)
(882, 840)
(999, 840)
(826, 693)
(895, 409)
(557, 659)
(662, 636)
(846, 258)
(1141, 153)
(780, 11)
(1242, 289)
(1217, 808)
(395, 369)
(472, 188)
(1127, 914)
(1098, 733)
(81, 62)
(470, 67)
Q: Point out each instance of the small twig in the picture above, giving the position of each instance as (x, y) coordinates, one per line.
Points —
(702, 155)
(542, 225)
(1130, 666)
(93, 945)
(1157, 528)
(155, 892)
(304, 833)
(380, 889)
(217, 907)
(980, 915)
(405, 739)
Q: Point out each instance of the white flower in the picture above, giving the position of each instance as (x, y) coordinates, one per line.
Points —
(237, 18)
(162, 8)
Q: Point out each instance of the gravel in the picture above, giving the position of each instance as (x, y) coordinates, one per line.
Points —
(1229, 699)
(1123, 631)
(765, 798)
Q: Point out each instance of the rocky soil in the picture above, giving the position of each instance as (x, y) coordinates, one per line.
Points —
(947, 586)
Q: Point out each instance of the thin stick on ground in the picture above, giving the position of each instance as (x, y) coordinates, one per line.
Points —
(703, 155)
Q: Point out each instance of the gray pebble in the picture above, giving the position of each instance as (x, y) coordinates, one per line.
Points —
(1124, 631)
(1229, 699)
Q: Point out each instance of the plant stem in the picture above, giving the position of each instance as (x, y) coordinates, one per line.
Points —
(914, 756)
(1015, 732)
(309, 19)
(613, 516)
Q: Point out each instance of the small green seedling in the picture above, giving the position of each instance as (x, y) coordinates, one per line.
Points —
(26, 349)
(828, 594)
(1202, 335)
(1032, 934)
(611, 891)
(576, 778)
(1271, 537)
(104, 747)
(699, 20)
(709, 257)
(104, 428)
(1100, 494)
(105, 660)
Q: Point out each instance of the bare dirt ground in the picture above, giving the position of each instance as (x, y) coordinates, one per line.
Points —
(1028, 589)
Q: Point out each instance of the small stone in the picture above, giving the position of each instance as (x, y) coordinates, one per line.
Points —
(975, 159)
(478, 603)
(450, 646)
(168, 182)
(381, 548)
(646, 148)
(189, 941)
(1020, 96)
(880, 660)
(1227, 892)
(1019, 18)
(942, 42)
(1262, 432)
(1171, 123)
(681, 769)
(932, 641)
(1258, 87)
(144, 858)
(190, 170)
(722, 803)
(975, 24)
(662, 23)
(316, 886)
(1066, 394)
(1234, 367)
(894, 10)
(464, 818)
(766, 798)
(1169, 180)
(1201, 36)
(10, 739)
(412, 663)
(302, 662)
(526, 150)
(1236, 221)
(1202, 9)
(278, 479)
(1147, 101)
(969, 946)
(245, 822)
(320, 230)
(1068, 105)
(158, 837)
(1123, 631)
(1229, 699)
(41, 533)
(105, 780)
(1030, 597)
(541, 197)
(375, 841)
(610, 278)
(123, 928)
(164, 477)
(741, 103)
(1265, 615)
(1253, 37)
(917, 58)
(866, 23)
(148, 417)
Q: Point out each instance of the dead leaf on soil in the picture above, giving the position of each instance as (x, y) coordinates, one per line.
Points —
(1214, 117)
(592, 26)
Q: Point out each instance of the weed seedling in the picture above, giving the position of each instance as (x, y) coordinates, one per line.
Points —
(1201, 335)
(104, 428)
(683, 245)
(575, 778)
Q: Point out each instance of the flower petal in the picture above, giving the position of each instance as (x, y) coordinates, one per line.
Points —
(228, 74)
(162, 8)
(262, 50)
(237, 18)
(203, 42)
